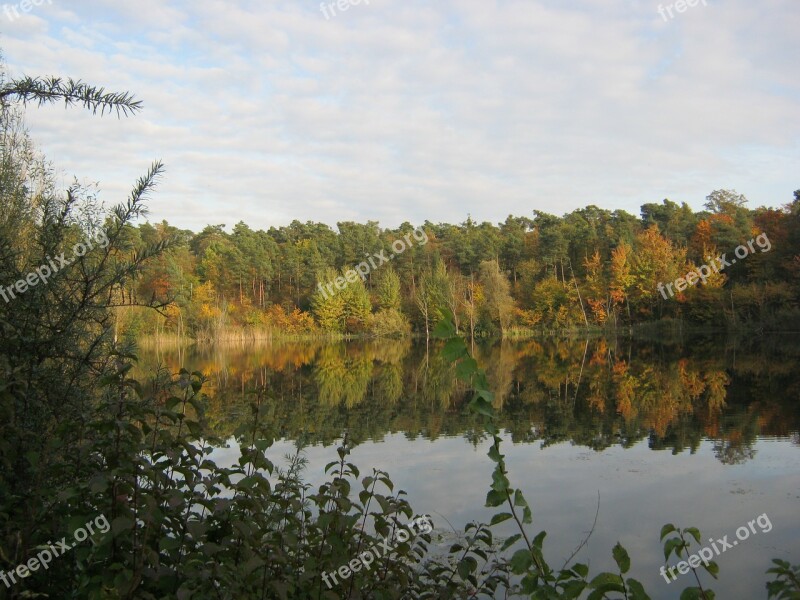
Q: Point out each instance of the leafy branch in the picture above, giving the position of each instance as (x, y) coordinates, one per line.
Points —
(48, 90)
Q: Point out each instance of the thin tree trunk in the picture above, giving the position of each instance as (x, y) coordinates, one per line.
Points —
(579, 292)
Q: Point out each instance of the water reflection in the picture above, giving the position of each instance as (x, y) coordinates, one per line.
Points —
(595, 393)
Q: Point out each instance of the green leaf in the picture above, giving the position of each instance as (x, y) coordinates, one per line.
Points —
(510, 542)
(521, 561)
(482, 407)
(604, 583)
(712, 568)
(670, 546)
(581, 569)
(527, 516)
(667, 529)
(262, 445)
(485, 395)
(572, 589)
(692, 593)
(454, 350)
(465, 368)
(495, 498)
(621, 558)
(694, 532)
(445, 328)
(466, 567)
(500, 517)
(636, 590)
(603, 579)
(499, 480)
(539, 540)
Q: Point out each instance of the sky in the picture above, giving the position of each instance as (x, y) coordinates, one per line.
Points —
(388, 110)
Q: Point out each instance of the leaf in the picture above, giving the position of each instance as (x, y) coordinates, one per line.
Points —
(499, 480)
(454, 349)
(500, 517)
(572, 589)
(636, 590)
(527, 516)
(694, 532)
(466, 566)
(603, 579)
(485, 395)
(481, 406)
(621, 558)
(495, 498)
(262, 445)
(712, 568)
(510, 542)
(603, 583)
(539, 540)
(445, 328)
(521, 561)
(670, 546)
(692, 593)
(466, 368)
(667, 529)
(581, 569)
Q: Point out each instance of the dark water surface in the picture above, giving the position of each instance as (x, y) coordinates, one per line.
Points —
(698, 432)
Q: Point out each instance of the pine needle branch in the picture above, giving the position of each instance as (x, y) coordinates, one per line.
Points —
(44, 90)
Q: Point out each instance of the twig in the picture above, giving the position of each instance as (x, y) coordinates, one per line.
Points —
(586, 539)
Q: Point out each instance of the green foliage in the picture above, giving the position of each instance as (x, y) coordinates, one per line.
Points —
(387, 289)
(678, 544)
(45, 90)
(786, 585)
(388, 323)
(182, 526)
(357, 307)
(499, 305)
(550, 271)
(328, 308)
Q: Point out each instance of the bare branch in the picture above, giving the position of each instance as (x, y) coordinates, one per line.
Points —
(586, 539)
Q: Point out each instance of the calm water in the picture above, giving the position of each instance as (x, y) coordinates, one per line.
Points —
(698, 432)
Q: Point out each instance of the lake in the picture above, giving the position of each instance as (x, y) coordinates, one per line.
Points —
(697, 432)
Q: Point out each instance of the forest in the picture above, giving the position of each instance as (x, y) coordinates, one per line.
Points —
(590, 269)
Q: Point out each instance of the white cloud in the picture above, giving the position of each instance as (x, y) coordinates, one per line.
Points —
(394, 111)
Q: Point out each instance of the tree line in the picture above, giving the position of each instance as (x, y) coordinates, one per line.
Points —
(591, 268)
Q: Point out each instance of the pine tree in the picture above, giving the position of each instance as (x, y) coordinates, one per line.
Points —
(328, 308)
(387, 290)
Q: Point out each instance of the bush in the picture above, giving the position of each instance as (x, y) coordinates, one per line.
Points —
(388, 323)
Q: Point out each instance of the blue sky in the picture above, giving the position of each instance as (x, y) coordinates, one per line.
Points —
(407, 110)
